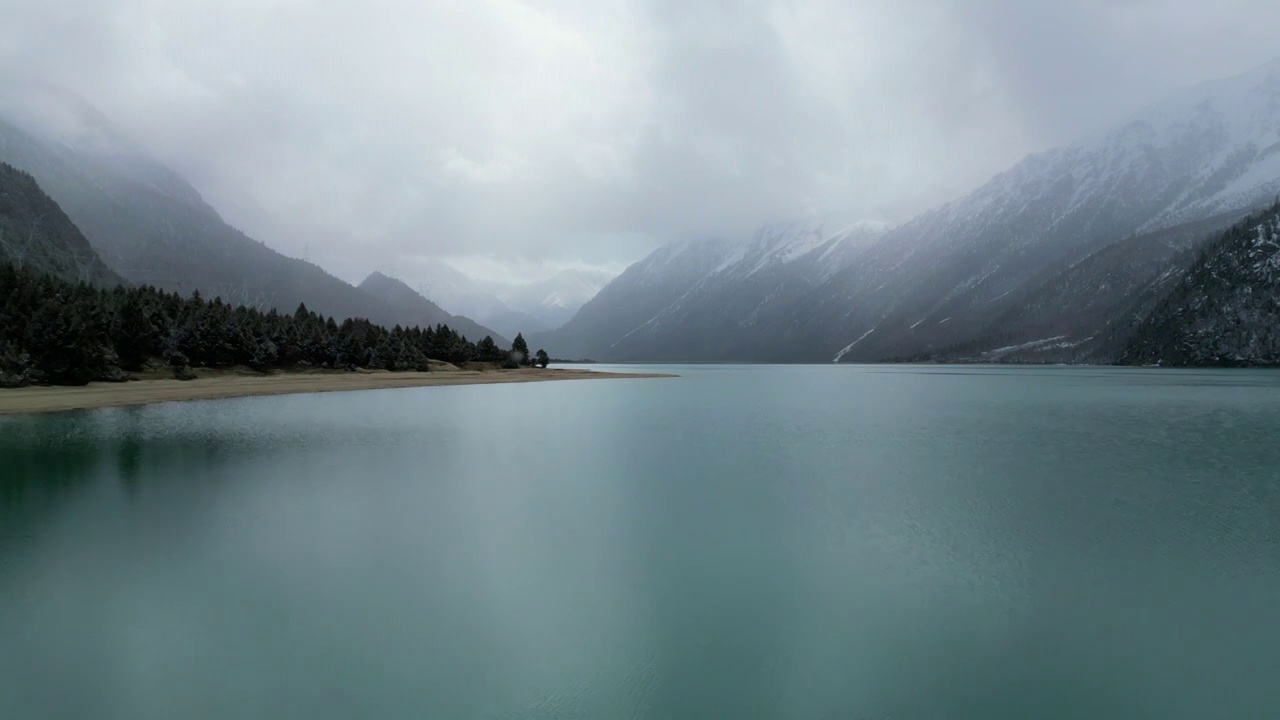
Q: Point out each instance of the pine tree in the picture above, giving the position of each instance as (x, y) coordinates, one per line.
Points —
(488, 350)
(136, 337)
(520, 350)
(63, 348)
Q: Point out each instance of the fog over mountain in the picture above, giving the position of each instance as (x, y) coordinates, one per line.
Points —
(766, 180)
(535, 306)
(1052, 260)
(528, 135)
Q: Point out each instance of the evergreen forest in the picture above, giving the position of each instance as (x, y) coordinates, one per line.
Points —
(59, 332)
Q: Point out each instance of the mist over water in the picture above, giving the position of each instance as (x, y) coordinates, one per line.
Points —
(743, 541)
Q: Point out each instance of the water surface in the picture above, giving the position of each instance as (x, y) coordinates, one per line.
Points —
(742, 541)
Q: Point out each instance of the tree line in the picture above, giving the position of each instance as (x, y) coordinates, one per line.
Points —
(57, 332)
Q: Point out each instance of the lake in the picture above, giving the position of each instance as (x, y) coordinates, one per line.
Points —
(860, 542)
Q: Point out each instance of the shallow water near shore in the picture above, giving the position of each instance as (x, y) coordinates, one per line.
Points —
(741, 541)
(243, 382)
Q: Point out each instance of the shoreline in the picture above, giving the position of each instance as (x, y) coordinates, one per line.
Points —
(60, 398)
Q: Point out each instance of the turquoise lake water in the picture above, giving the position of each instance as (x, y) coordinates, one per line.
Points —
(740, 542)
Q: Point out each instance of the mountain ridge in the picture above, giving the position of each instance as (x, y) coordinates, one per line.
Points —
(704, 299)
(36, 235)
(152, 227)
(397, 294)
(1090, 225)
(1055, 208)
(509, 308)
(1224, 310)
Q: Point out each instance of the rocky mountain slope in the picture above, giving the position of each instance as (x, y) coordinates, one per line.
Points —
(1055, 259)
(1085, 313)
(947, 276)
(711, 299)
(36, 235)
(1225, 309)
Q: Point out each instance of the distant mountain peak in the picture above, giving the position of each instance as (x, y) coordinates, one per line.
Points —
(706, 299)
(509, 307)
(554, 300)
(776, 243)
(398, 294)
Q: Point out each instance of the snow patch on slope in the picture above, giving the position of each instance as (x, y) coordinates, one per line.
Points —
(845, 350)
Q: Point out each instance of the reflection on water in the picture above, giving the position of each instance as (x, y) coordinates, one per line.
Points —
(800, 542)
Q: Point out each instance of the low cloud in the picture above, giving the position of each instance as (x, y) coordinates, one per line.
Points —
(521, 137)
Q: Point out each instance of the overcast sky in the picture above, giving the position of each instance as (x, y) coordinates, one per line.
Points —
(518, 137)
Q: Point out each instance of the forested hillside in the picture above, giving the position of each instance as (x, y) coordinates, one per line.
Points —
(35, 234)
(1225, 310)
(62, 323)
(58, 332)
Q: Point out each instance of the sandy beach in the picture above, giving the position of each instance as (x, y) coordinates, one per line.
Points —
(239, 384)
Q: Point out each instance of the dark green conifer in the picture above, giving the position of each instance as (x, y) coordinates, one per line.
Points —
(520, 350)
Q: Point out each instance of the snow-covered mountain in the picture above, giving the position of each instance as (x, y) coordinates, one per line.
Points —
(1056, 258)
(709, 299)
(554, 300)
(946, 277)
(1088, 311)
(450, 288)
(510, 308)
